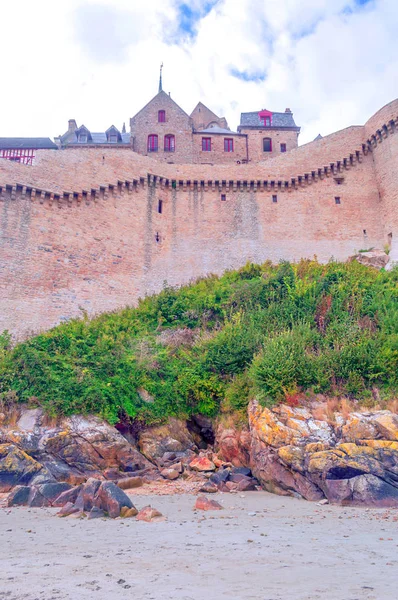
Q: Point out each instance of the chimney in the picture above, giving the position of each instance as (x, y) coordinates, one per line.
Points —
(287, 110)
(72, 125)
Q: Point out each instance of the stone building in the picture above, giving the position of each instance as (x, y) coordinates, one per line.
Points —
(164, 131)
(102, 222)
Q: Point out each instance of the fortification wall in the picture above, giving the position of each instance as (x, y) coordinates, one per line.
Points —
(95, 229)
(105, 254)
(382, 138)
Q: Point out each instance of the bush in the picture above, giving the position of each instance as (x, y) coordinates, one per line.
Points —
(271, 331)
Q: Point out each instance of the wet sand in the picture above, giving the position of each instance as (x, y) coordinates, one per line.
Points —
(289, 549)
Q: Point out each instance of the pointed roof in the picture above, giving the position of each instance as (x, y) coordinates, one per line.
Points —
(166, 98)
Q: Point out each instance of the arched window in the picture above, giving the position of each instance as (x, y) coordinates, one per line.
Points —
(161, 116)
(169, 143)
(152, 143)
(267, 145)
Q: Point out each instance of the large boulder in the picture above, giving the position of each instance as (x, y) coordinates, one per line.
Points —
(232, 444)
(111, 499)
(348, 460)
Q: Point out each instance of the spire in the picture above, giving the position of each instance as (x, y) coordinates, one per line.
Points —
(160, 78)
(124, 128)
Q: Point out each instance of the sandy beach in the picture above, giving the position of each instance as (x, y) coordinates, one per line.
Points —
(260, 547)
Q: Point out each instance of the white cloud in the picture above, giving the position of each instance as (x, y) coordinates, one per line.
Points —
(333, 63)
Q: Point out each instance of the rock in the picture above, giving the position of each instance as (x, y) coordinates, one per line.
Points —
(237, 477)
(129, 483)
(19, 496)
(172, 437)
(68, 509)
(204, 503)
(36, 499)
(51, 491)
(16, 467)
(221, 475)
(241, 471)
(69, 495)
(96, 513)
(112, 499)
(209, 488)
(323, 502)
(112, 474)
(387, 425)
(372, 258)
(233, 445)
(202, 464)
(246, 485)
(169, 473)
(127, 513)
(149, 514)
(89, 493)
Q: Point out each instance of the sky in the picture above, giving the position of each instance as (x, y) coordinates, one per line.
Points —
(333, 62)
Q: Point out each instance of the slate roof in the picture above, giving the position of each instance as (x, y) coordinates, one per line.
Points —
(99, 138)
(252, 119)
(217, 129)
(27, 143)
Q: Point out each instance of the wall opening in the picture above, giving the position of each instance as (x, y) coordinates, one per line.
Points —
(223, 196)
(389, 239)
(157, 237)
(274, 198)
(160, 206)
(337, 200)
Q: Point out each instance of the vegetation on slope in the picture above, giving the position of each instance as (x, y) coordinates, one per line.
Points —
(266, 331)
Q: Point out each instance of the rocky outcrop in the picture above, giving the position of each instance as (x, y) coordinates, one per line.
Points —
(350, 460)
(73, 450)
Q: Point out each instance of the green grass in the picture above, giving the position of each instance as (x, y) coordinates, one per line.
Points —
(263, 331)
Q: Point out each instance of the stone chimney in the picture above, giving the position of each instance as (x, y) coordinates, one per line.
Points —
(72, 126)
(287, 110)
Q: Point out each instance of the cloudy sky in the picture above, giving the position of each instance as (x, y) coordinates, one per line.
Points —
(333, 62)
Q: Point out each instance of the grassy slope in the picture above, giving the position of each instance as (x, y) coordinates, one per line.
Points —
(269, 331)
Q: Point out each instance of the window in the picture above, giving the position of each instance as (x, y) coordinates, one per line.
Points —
(206, 144)
(160, 206)
(169, 143)
(267, 145)
(283, 147)
(161, 116)
(113, 138)
(152, 143)
(337, 200)
(82, 139)
(266, 121)
(228, 145)
(223, 196)
(274, 198)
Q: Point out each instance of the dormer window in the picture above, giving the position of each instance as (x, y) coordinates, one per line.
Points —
(82, 139)
(113, 138)
(161, 116)
(266, 121)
